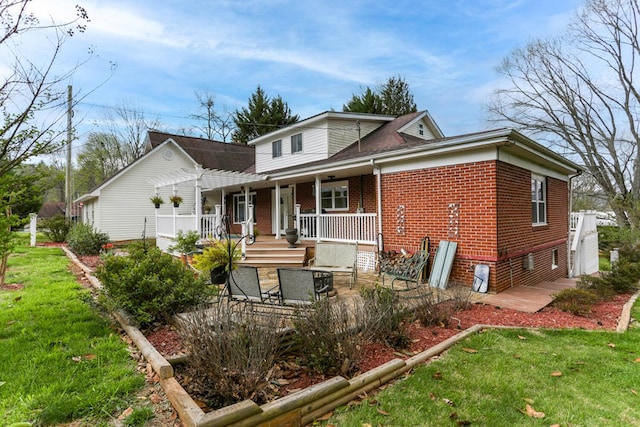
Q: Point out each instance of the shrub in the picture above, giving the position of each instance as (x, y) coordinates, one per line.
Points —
(384, 317)
(327, 335)
(435, 306)
(232, 351)
(610, 237)
(597, 285)
(622, 278)
(150, 285)
(56, 228)
(83, 239)
(576, 301)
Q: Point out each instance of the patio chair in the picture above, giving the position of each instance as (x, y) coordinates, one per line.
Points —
(302, 286)
(244, 285)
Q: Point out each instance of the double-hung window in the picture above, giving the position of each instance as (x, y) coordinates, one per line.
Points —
(335, 195)
(538, 200)
(276, 148)
(296, 143)
(239, 205)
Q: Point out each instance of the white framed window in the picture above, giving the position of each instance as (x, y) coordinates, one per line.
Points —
(554, 259)
(239, 207)
(538, 200)
(421, 129)
(296, 143)
(335, 195)
(276, 148)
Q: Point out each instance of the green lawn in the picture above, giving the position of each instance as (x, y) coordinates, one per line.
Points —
(573, 377)
(59, 359)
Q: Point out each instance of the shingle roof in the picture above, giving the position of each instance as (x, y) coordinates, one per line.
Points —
(210, 154)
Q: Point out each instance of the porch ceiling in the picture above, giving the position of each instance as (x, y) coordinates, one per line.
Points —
(209, 178)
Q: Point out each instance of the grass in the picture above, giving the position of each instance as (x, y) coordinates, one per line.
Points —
(59, 359)
(488, 379)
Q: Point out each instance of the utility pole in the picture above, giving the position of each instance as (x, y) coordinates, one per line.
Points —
(68, 195)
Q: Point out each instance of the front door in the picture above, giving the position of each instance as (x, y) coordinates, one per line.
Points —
(286, 210)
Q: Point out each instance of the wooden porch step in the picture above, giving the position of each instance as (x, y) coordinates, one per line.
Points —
(268, 252)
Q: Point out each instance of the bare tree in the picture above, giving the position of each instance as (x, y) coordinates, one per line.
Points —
(129, 125)
(31, 92)
(579, 95)
(213, 123)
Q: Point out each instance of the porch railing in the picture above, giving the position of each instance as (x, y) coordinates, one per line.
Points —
(169, 225)
(359, 228)
(339, 227)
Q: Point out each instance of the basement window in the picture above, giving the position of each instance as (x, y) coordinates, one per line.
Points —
(554, 259)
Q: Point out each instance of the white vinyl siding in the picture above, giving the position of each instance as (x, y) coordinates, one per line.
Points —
(314, 148)
(319, 142)
(343, 133)
(124, 203)
(415, 128)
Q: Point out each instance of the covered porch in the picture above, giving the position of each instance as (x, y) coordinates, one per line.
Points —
(252, 200)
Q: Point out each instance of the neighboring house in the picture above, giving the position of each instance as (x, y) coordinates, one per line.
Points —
(502, 197)
(120, 206)
(51, 209)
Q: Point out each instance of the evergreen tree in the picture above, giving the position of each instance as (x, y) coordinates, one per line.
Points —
(261, 116)
(368, 102)
(392, 98)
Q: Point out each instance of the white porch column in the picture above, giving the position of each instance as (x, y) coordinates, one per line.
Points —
(217, 222)
(223, 202)
(277, 214)
(175, 191)
(297, 214)
(378, 173)
(198, 190)
(318, 206)
(246, 203)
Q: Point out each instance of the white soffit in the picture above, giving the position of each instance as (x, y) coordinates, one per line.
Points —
(209, 178)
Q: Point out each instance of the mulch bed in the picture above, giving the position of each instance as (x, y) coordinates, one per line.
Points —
(603, 316)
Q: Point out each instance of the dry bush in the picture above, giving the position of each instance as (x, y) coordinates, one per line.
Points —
(327, 334)
(383, 317)
(232, 350)
(435, 306)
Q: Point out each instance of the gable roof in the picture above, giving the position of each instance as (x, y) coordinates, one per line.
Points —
(205, 152)
(210, 154)
(387, 138)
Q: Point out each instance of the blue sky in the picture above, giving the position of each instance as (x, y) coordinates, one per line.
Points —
(315, 54)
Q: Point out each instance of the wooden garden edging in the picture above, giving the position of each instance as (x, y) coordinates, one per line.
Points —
(304, 406)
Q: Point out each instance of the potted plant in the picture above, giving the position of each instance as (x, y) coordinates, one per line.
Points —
(176, 200)
(185, 244)
(217, 258)
(157, 200)
(207, 208)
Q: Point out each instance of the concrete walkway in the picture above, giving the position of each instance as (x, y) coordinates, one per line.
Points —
(526, 298)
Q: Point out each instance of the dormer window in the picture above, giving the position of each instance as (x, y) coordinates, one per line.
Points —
(421, 129)
(296, 143)
(276, 148)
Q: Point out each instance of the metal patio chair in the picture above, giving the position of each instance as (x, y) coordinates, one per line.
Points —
(302, 286)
